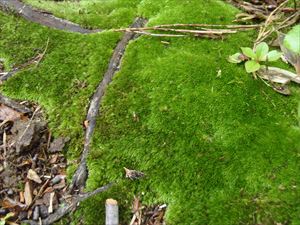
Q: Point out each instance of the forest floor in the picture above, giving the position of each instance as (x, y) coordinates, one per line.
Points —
(216, 146)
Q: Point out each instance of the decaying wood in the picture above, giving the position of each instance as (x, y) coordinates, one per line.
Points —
(14, 105)
(81, 173)
(68, 207)
(43, 18)
(111, 212)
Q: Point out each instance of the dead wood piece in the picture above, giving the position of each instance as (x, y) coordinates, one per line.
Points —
(112, 212)
(41, 17)
(68, 207)
(81, 173)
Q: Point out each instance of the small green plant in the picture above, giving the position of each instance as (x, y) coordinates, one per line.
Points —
(254, 57)
(290, 45)
(5, 219)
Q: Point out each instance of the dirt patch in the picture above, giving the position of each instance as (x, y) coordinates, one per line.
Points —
(32, 166)
(147, 215)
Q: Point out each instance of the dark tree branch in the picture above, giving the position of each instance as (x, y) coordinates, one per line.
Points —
(41, 17)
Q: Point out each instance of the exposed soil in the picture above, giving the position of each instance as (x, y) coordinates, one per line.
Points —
(32, 166)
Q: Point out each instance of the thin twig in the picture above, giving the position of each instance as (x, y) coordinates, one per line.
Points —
(263, 34)
(41, 56)
(210, 25)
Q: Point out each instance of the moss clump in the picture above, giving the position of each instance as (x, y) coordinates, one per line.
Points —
(211, 145)
(92, 13)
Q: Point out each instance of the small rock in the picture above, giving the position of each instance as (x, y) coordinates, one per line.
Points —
(44, 211)
(57, 179)
(10, 192)
(3, 211)
(36, 213)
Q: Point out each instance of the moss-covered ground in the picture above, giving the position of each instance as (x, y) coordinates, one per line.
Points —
(216, 145)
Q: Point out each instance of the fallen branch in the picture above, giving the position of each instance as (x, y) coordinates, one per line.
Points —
(68, 207)
(264, 32)
(205, 30)
(210, 25)
(42, 18)
(111, 212)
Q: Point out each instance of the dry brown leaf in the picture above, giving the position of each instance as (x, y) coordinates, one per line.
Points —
(86, 123)
(9, 203)
(133, 174)
(32, 175)
(53, 159)
(22, 198)
(7, 113)
(28, 193)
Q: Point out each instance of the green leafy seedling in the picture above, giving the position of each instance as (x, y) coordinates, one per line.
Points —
(254, 57)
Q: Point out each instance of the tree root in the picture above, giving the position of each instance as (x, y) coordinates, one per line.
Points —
(69, 207)
(80, 176)
(41, 17)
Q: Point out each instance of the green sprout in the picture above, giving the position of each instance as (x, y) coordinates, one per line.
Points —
(254, 57)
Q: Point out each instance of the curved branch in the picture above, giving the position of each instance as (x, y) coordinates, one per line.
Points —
(81, 173)
(42, 18)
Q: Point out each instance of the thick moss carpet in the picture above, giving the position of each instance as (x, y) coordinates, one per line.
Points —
(217, 146)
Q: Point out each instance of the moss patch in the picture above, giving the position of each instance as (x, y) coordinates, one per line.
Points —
(101, 14)
(218, 148)
(64, 80)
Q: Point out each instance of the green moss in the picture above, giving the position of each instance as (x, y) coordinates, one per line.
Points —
(64, 80)
(92, 13)
(218, 148)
